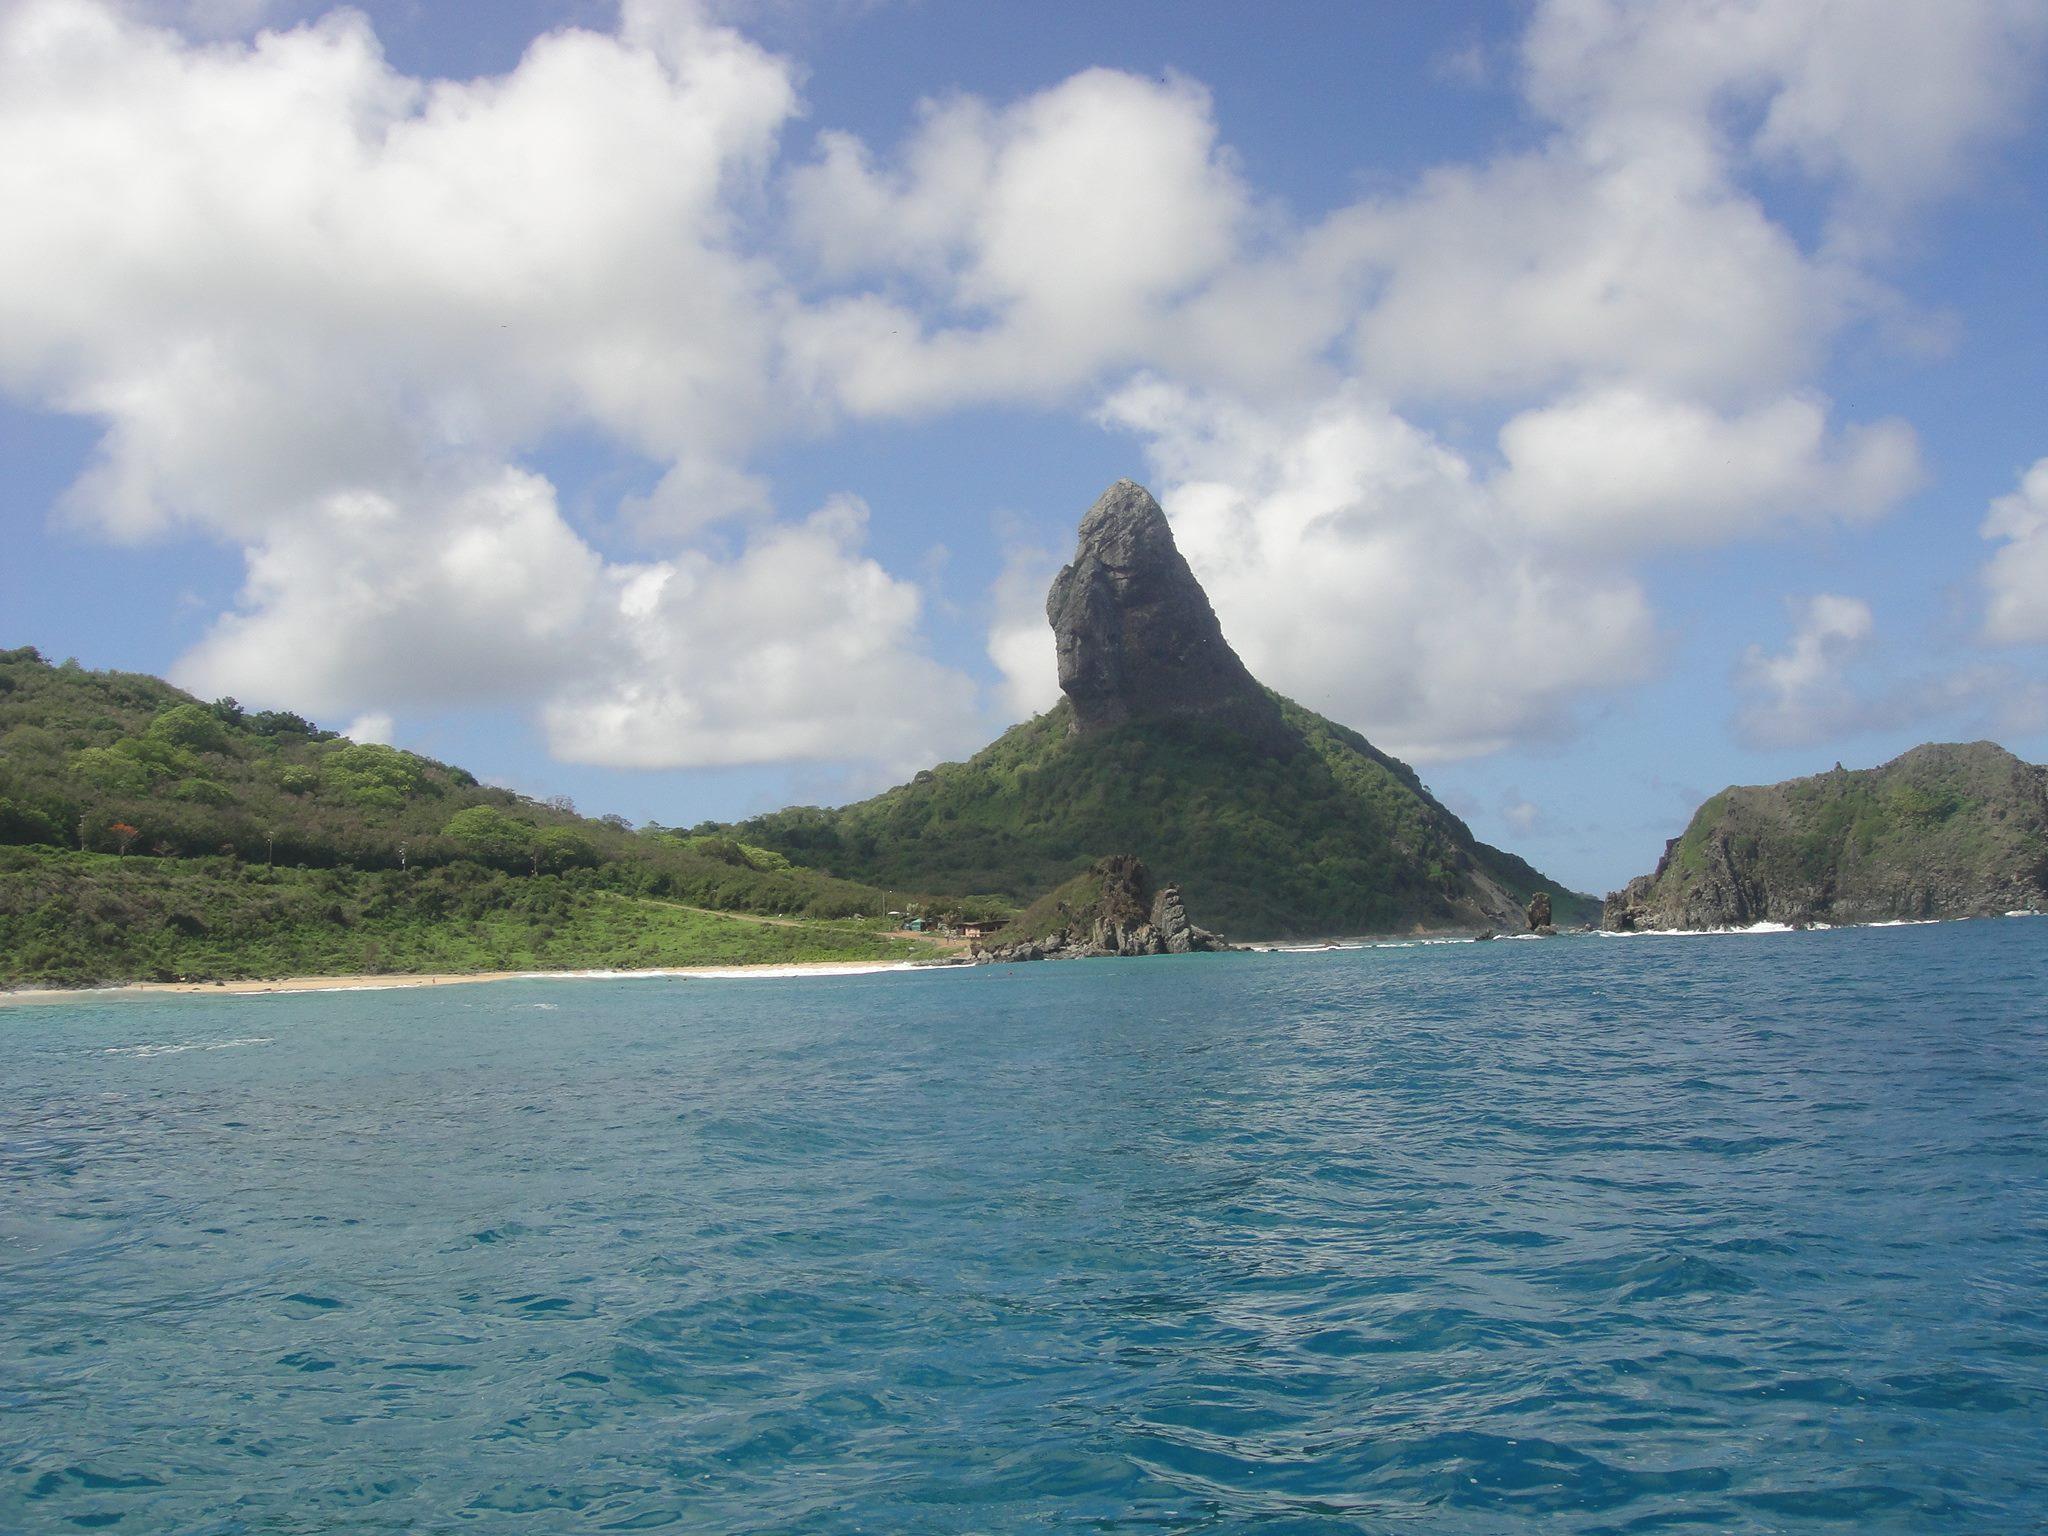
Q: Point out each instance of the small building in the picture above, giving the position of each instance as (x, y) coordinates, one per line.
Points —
(973, 930)
(914, 925)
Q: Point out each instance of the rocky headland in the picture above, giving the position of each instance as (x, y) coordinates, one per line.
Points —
(1111, 909)
(1945, 831)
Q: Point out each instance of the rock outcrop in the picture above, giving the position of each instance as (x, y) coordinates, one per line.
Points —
(1539, 913)
(1134, 634)
(1944, 831)
(1111, 910)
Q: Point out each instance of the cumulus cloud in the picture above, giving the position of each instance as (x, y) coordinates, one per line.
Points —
(1885, 103)
(1020, 643)
(281, 269)
(800, 648)
(1052, 238)
(2016, 578)
(1581, 264)
(1360, 565)
(1826, 684)
(1800, 695)
(1624, 466)
(327, 313)
(322, 308)
(375, 727)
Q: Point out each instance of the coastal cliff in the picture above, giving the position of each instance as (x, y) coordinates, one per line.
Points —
(1944, 831)
(1165, 747)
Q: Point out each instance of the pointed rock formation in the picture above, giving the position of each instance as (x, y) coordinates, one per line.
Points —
(1277, 821)
(1134, 633)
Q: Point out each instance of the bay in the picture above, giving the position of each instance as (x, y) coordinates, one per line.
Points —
(1729, 1233)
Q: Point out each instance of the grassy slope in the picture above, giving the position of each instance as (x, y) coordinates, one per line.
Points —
(1339, 838)
(71, 918)
(258, 846)
(1955, 813)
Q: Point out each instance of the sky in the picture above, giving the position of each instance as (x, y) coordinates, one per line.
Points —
(684, 406)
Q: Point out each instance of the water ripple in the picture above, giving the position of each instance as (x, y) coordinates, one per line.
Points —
(1596, 1238)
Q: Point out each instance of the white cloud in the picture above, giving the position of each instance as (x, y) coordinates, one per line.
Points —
(1578, 265)
(1625, 468)
(2016, 578)
(800, 648)
(326, 312)
(375, 727)
(281, 269)
(1888, 103)
(1020, 638)
(480, 595)
(1800, 696)
(1831, 681)
(1359, 565)
(321, 309)
(1051, 239)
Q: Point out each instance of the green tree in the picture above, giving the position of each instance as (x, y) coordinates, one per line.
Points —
(489, 836)
(193, 727)
(559, 848)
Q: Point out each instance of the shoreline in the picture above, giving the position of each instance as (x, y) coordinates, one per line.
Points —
(386, 982)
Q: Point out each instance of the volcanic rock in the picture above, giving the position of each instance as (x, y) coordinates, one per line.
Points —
(1134, 633)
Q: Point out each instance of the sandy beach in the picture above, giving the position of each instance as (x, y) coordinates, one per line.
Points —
(380, 983)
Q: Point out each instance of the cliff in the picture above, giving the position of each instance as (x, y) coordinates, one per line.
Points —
(1944, 831)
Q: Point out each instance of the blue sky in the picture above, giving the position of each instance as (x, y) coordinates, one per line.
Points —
(684, 407)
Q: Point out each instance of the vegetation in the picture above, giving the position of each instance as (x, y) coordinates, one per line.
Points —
(1336, 838)
(144, 834)
(1945, 830)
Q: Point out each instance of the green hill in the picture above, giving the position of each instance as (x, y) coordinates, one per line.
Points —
(1947, 830)
(1334, 838)
(147, 835)
(1272, 819)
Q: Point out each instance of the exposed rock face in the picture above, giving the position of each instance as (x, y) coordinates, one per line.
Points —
(1539, 911)
(1134, 633)
(1944, 831)
(1112, 910)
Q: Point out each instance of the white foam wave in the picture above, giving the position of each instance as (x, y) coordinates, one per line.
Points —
(173, 1048)
(734, 972)
(1705, 933)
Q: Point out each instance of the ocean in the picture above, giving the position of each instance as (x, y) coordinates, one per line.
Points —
(1721, 1233)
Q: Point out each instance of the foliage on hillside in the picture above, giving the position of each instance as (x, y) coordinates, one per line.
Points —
(1945, 830)
(76, 918)
(177, 813)
(1336, 838)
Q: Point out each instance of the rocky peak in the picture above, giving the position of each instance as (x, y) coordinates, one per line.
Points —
(1135, 634)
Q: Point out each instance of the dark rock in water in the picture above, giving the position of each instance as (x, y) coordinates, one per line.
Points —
(1944, 831)
(1539, 911)
(1110, 910)
(1134, 633)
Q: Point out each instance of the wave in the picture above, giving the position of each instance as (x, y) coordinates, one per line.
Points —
(173, 1048)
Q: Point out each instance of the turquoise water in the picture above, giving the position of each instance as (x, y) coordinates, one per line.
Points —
(1724, 1234)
